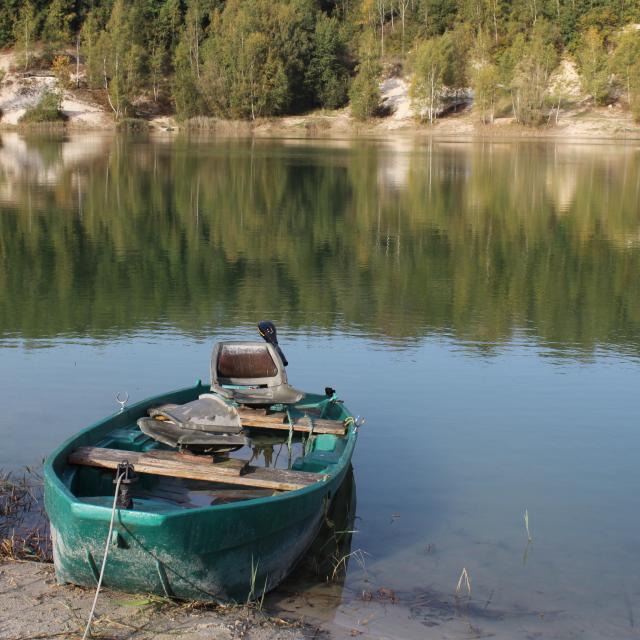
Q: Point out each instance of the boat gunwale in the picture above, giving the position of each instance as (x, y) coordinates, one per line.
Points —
(99, 512)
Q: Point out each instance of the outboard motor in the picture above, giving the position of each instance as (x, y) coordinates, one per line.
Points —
(268, 331)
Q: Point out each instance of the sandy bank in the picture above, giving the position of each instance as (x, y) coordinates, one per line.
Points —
(33, 606)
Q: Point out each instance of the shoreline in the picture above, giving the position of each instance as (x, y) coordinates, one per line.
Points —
(597, 125)
(34, 606)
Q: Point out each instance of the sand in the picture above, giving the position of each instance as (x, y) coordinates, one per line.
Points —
(33, 606)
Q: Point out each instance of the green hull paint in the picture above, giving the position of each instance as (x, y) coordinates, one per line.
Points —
(204, 553)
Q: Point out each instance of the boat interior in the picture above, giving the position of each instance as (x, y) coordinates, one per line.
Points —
(250, 436)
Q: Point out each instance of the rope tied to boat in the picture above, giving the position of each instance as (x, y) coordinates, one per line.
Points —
(121, 475)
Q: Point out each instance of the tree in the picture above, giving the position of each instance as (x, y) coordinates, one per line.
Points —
(485, 88)
(193, 34)
(169, 21)
(24, 30)
(625, 62)
(364, 93)
(592, 60)
(403, 5)
(122, 61)
(56, 32)
(256, 59)
(327, 75)
(381, 12)
(61, 70)
(90, 41)
(526, 69)
(185, 90)
(156, 66)
(433, 66)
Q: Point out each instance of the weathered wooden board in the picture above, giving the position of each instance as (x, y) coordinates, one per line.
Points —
(259, 419)
(179, 465)
(232, 466)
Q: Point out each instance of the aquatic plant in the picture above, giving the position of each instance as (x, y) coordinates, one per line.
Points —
(358, 555)
(24, 533)
(464, 580)
(526, 525)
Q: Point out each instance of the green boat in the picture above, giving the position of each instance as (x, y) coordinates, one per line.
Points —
(216, 491)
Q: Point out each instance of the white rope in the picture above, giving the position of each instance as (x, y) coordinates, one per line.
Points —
(104, 559)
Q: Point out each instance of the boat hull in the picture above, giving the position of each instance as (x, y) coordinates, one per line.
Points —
(230, 552)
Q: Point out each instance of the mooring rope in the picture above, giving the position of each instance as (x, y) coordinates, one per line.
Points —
(106, 553)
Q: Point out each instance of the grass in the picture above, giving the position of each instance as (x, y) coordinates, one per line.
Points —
(358, 555)
(216, 125)
(24, 528)
(133, 125)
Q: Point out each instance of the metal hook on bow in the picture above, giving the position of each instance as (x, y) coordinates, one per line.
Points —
(122, 401)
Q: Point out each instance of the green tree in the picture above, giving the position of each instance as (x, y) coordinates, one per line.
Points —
(187, 61)
(170, 21)
(364, 93)
(625, 63)
(526, 69)
(433, 67)
(157, 60)
(485, 81)
(592, 60)
(256, 58)
(185, 91)
(327, 75)
(90, 45)
(24, 32)
(56, 32)
(122, 61)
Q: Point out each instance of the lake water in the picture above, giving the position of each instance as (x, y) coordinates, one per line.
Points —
(478, 303)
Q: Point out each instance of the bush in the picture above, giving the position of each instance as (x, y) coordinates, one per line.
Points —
(133, 125)
(46, 111)
(365, 92)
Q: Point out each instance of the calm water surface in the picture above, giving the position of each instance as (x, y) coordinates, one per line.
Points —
(478, 303)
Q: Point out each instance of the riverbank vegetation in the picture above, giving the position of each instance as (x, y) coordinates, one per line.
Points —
(46, 112)
(246, 59)
(24, 533)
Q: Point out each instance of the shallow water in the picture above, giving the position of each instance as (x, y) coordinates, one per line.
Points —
(478, 303)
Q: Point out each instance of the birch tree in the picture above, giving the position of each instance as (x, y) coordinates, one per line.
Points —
(592, 60)
(432, 65)
(24, 30)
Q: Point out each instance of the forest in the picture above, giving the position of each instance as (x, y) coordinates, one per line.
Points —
(248, 59)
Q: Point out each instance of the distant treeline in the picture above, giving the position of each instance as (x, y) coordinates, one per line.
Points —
(255, 58)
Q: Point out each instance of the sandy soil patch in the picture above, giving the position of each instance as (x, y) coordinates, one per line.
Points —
(19, 92)
(33, 606)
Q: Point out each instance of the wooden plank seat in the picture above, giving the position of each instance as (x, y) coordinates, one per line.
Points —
(260, 419)
(251, 418)
(184, 465)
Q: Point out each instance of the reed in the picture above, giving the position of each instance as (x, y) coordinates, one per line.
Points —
(526, 525)
(24, 527)
(252, 582)
(358, 555)
(464, 581)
